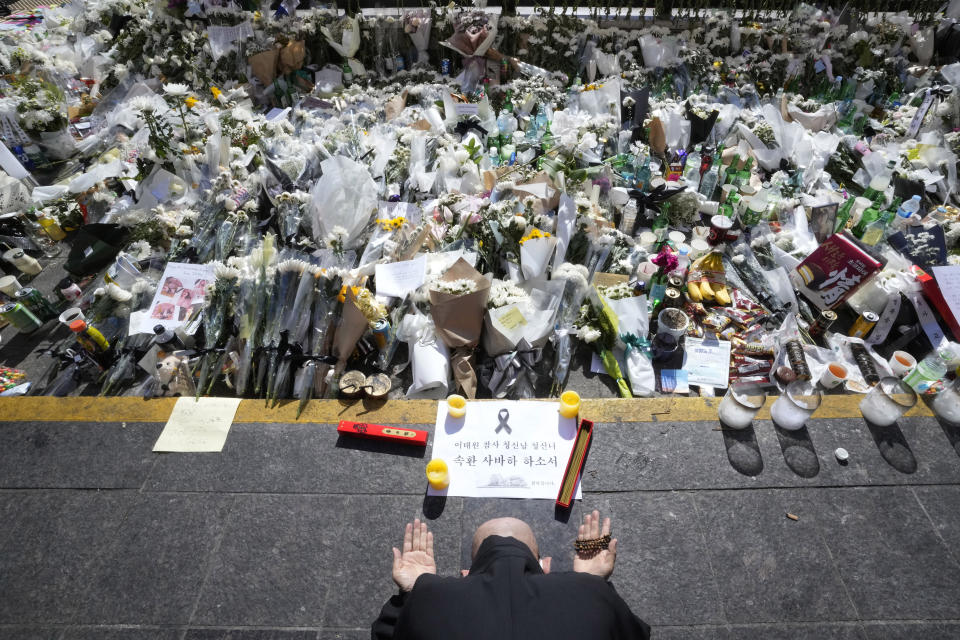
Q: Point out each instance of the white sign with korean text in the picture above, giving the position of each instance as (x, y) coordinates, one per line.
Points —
(504, 449)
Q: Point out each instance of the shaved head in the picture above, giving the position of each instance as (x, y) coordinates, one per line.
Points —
(507, 528)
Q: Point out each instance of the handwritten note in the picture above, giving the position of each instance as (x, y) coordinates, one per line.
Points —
(512, 318)
(400, 278)
(198, 425)
(948, 279)
(707, 362)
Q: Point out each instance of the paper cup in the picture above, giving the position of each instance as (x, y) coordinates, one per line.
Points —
(647, 239)
(9, 285)
(708, 207)
(701, 233)
(698, 248)
(646, 271)
(673, 322)
(902, 363)
(618, 196)
(70, 315)
(677, 237)
(833, 375)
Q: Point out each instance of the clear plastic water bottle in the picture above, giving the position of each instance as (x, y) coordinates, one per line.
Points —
(494, 157)
(929, 372)
(908, 209)
(691, 172)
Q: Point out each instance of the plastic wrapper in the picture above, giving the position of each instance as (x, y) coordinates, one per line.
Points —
(634, 326)
(531, 321)
(345, 196)
(429, 357)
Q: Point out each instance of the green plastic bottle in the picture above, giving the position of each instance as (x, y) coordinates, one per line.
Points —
(929, 372)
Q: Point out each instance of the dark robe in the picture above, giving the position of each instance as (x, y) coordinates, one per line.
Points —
(507, 596)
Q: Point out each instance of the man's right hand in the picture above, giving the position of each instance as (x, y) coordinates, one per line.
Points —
(416, 557)
(599, 563)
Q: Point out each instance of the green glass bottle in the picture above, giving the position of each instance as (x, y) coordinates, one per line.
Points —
(744, 174)
(661, 224)
(869, 216)
(877, 230)
(843, 215)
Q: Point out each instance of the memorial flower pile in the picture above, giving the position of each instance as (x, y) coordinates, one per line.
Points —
(488, 193)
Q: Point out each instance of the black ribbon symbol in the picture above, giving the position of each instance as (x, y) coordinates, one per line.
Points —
(503, 416)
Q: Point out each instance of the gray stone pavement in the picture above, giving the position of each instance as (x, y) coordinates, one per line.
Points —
(286, 534)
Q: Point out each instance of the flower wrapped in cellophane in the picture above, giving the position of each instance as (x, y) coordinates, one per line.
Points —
(598, 327)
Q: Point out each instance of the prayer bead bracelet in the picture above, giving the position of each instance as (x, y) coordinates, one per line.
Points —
(595, 544)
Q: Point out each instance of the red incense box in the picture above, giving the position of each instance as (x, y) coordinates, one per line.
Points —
(380, 432)
(575, 464)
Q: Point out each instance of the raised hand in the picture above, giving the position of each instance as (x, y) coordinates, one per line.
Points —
(416, 557)
(599, 563)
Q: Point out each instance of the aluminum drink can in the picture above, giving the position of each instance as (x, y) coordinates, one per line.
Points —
(445, 67)
(822, 323)
(20, 317)
(672, 299)
(381, 333)
(34, 301)
(863, 325)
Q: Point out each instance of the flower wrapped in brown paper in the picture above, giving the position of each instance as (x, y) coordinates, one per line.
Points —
(658, 137)
(292, 57)
(459, 319)
(264, 66)
(353, 324)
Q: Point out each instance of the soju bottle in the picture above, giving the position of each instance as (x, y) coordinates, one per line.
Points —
(727, 172)
(661, 224)
(843, 216)
(869, 216)
(877, 229)
(347, 74)
(743, 175)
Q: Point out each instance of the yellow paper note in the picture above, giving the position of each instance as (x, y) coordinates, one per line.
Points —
(512, 319)
(198, 425)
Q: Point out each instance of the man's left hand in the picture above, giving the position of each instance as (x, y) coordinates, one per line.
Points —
(416, 557)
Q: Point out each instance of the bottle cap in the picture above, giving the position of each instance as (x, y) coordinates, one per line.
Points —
(78, 325)
(842, 454)
(65, 283)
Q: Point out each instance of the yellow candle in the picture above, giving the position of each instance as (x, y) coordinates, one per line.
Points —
(456, 406)
(437, 474)
(569, 404)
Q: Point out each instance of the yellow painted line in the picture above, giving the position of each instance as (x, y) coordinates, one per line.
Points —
(394, 411)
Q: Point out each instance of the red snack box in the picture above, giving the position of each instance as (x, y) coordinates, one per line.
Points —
(381, 432)
(831, 274)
